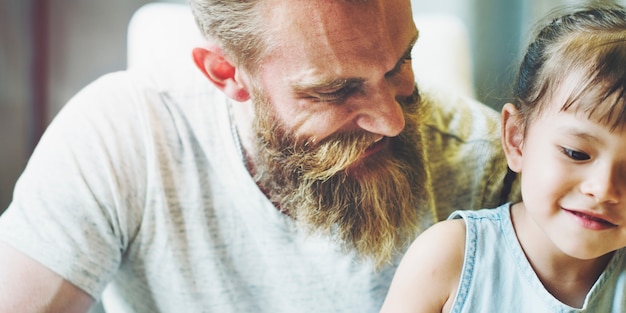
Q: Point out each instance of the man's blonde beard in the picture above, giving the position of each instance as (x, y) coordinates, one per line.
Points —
(371, 205)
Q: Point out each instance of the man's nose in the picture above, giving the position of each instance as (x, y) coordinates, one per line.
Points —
(382, 115)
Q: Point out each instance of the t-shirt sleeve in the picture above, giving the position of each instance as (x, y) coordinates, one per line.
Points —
(73, 208)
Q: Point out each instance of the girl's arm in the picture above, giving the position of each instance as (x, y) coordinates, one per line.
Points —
(428, 275)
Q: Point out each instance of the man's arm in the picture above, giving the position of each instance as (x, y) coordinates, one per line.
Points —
(28, 286)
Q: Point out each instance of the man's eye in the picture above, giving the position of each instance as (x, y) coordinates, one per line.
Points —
(331, 96)
(575, 155)
(335, 96)
(405, 61)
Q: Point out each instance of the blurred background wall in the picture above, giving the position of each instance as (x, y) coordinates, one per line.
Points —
(50, 49)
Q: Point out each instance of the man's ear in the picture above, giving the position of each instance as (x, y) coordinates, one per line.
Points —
(223, 74)
(512, 136)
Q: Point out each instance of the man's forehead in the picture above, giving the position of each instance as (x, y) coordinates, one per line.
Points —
(332, 40)
(334, 21)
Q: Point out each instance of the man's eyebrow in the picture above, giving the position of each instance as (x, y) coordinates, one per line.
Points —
(330, 84)
(338, 83)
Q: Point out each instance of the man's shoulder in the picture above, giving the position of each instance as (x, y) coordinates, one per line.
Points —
(179, 76)
(159, 84)
(460, 117)
(462, 143)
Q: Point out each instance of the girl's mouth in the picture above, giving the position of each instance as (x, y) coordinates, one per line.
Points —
(590, 221)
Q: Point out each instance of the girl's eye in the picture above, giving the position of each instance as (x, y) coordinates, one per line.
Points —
(575, 155)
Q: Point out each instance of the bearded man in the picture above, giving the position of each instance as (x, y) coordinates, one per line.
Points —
(292, 182)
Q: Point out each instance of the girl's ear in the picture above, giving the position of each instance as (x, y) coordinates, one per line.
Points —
(512, 137)
(211, 61)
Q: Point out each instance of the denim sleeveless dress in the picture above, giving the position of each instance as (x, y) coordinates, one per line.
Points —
(497, 277)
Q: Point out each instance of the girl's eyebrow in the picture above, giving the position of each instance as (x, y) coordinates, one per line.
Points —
(576, 132)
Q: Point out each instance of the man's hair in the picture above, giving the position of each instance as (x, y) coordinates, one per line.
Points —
(584, 45)
(235, 25)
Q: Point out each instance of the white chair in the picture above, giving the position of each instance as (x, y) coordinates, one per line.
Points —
(159, 30)
(441, 57)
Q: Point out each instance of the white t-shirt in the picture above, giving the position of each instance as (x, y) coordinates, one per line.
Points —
(136, 194)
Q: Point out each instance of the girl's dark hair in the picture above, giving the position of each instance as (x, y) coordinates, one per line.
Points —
(584, 47)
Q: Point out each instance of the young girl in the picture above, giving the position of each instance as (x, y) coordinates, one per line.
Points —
(562, 248)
